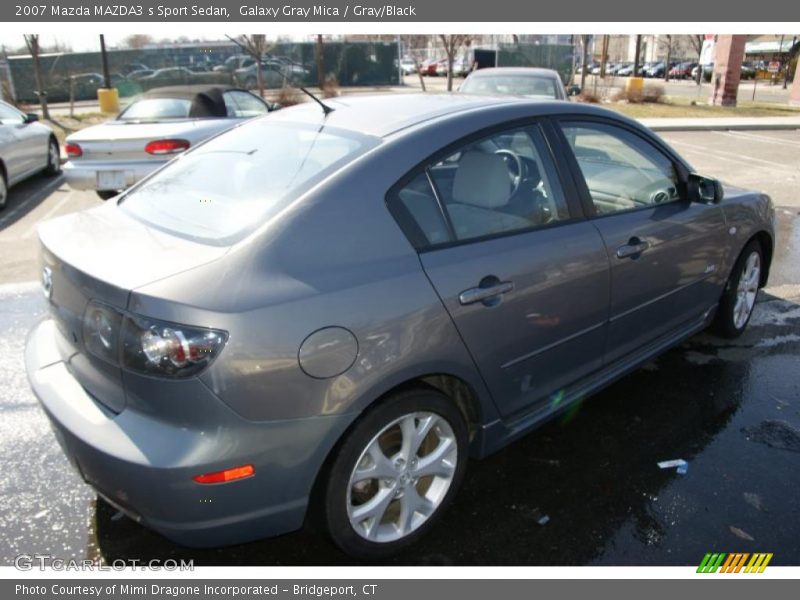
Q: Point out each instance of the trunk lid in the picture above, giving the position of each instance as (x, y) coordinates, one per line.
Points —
(122, 140)
(103, 254)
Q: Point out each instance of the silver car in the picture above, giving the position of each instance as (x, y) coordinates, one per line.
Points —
(324, 312)
(518, 81)
(159, 125)
(26, 148)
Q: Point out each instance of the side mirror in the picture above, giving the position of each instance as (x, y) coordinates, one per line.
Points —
(31, 118)
(704, 189)
(574, 90)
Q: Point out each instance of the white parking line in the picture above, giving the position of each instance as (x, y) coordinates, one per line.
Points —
(8, 217)
(760, 138)
(732, 156)
(32, 229)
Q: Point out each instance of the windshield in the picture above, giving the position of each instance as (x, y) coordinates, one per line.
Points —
(518, 85)
(153, 109)
(229, 186)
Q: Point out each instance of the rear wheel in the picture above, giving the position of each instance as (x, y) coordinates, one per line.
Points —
(53, 159)
(739, 297)
(395, 474)
(106, 194)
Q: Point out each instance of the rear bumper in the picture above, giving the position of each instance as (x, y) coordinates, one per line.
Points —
(144, 466)
(84, 176)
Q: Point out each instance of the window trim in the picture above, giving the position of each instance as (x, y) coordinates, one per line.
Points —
(566, 186)
(682, 170)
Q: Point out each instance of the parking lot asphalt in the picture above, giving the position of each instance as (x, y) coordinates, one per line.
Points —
(730, 409)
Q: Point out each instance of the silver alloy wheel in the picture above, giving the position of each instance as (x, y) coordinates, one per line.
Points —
(402, 477)
(54, 157)
(747, 290)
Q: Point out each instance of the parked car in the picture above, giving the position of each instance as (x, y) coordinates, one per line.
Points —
(682, 70)
(616, 68)
(138, 74)
(275, 74)
(180, 76)
(232, 63)
(748, 71)
(408, 66)
(324, 315)
(429, 67)
(152, 130)
(707, 70)
(625, 70)
(27, 147)
(515, 81)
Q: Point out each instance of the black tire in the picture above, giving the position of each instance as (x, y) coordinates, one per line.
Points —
(3, 189)
(53, 159)
(106, 194)
(333, 498)
(724, 323)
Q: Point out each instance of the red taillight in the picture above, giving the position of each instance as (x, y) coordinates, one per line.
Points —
(166, 146)
(73, 150)
(233, 474)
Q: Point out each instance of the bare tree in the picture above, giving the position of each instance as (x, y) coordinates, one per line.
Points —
(452, 44)
(254, 45)
(137, 41)
(320, 56)
(697, 45)
(668, 45)
(584, 62)
(32, 42)
(414, 44)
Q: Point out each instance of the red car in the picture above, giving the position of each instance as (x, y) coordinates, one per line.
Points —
(682, 70)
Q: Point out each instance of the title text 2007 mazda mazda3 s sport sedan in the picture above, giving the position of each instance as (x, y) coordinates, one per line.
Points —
(324, 314)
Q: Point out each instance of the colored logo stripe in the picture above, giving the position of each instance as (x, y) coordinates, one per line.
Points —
(734, 563)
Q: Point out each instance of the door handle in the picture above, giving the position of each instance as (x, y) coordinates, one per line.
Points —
(633, 248)
(482, 294)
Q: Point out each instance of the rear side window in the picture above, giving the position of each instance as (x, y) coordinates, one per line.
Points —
(237, 181)
(502, 184)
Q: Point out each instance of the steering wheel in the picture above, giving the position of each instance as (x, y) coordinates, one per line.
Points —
(516, 179)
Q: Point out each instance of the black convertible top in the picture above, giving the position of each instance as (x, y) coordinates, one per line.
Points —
(207, 100)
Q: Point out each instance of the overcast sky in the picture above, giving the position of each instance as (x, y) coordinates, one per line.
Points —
(79, 41)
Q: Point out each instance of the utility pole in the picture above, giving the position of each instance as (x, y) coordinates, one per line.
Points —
(104, 58)
(585, 41)
(636, 56)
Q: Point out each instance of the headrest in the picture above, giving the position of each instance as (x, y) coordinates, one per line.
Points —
(482, 180)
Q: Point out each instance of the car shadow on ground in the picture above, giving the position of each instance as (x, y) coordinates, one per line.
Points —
(585, 488)
(26, 196)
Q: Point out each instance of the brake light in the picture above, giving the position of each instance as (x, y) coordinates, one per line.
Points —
(149, 346)
(73, 150)
(160, 147)
(233, 474)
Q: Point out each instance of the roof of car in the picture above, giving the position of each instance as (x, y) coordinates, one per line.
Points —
(207, 100)
(384, 114)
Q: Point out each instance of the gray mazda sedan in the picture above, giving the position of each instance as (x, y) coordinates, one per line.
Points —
(322, 313)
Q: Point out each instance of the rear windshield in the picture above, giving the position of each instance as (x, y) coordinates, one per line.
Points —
(153, 109)
(518, 85)
(232, 184)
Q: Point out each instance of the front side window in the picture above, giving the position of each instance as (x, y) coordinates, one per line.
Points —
(10, 116)
(622, 171)
(500, 184)
(239, 180)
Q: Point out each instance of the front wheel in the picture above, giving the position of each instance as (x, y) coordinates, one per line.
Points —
(395, 474)
(53, 159)
(107, 194)
(739, 297)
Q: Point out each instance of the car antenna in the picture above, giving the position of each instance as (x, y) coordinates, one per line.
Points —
(325, 108)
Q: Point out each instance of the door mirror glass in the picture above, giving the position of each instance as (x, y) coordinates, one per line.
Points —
(31, 117)
(705, 189)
